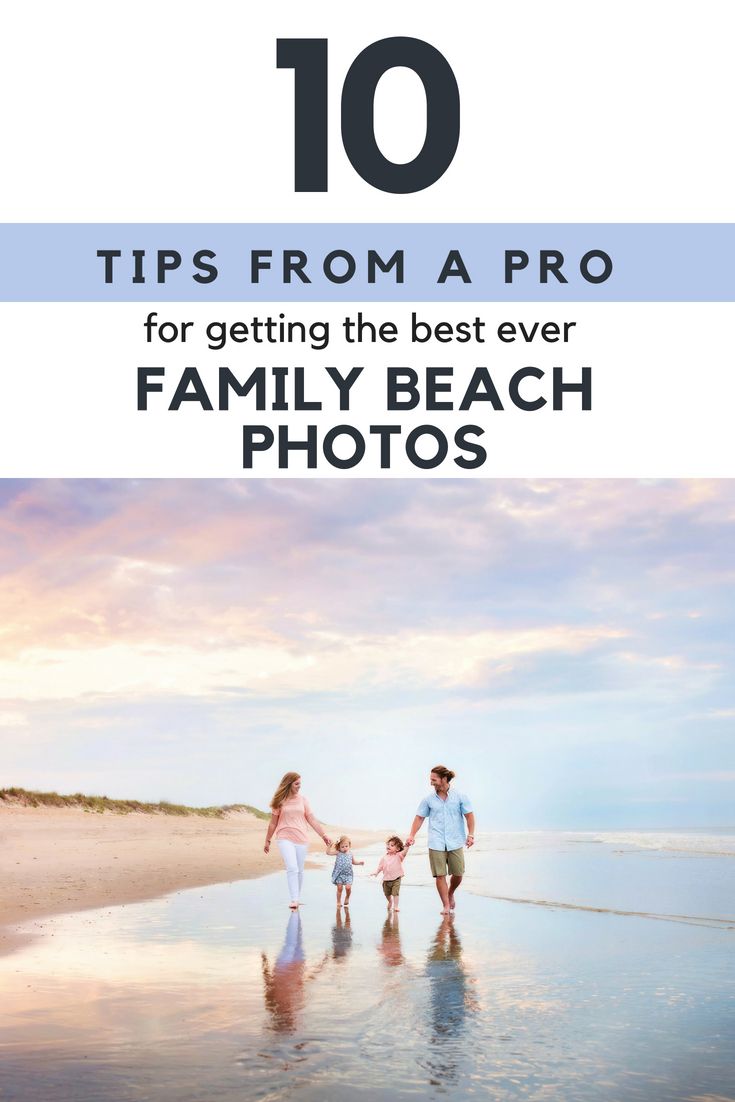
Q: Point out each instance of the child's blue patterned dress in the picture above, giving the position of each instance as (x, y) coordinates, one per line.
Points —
(342, 871)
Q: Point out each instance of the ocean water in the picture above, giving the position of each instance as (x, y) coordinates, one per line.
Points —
(577, 967)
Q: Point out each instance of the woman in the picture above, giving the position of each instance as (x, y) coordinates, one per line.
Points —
(290, 815)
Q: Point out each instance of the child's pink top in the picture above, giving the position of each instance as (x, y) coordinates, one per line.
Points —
(391, 865)
(292, 825)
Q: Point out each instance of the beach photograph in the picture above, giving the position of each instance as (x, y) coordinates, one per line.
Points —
(375, 789)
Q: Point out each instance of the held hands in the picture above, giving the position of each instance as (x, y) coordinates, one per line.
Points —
(410, 840)
(470, 841)
(267, 845)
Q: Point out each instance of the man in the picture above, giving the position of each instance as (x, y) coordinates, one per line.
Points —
(446, 811)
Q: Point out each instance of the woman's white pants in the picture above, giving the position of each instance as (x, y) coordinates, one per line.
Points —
(294, 855)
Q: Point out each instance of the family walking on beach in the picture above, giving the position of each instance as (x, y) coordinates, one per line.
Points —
(446, 810)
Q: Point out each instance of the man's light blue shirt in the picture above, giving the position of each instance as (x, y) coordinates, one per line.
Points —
(446, 819)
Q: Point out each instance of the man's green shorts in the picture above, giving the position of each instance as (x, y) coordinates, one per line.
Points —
(446, 862)
(391, 887)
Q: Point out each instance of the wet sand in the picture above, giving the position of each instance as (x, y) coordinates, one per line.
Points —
(57, 860)
(222, 993)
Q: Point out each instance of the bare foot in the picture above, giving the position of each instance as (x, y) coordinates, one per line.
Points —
(294, 905)
(452, 904)
(446, 911)
(396, 910)
(346, 905)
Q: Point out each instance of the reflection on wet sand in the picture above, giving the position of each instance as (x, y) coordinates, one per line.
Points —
(284, 982)
(341, 936)
(390, 943)
(450, 1003)
(206, 996)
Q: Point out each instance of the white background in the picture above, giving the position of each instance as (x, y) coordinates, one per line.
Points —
(652, 415)
(165, 111)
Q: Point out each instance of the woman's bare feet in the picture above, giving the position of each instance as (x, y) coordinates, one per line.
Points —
(294, 905)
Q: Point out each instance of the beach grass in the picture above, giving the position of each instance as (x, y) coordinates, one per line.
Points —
(23, 798)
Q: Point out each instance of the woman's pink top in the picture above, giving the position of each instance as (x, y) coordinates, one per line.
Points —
(391, 865)
(292, 825)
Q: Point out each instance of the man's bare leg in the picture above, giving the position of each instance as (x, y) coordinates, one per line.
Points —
(441, 887)
(454, 882)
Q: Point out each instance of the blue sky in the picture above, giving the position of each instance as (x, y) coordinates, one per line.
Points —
(565, 646)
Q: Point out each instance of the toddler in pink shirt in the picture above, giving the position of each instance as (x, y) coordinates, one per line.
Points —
(391, 866)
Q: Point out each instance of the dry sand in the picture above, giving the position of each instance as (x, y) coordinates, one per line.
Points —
(54, 860)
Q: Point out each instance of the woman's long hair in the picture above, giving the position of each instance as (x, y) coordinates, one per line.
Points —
(284, 789)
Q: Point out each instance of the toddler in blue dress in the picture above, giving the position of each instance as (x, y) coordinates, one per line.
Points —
(342, 874)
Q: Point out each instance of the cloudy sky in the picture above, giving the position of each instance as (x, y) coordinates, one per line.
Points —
(565, 646)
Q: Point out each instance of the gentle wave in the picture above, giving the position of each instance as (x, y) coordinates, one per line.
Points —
(689, 920)
(705, 845)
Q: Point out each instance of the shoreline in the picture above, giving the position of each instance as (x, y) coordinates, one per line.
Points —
(62, 860)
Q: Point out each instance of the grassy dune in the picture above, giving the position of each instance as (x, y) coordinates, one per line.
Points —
(21, 797)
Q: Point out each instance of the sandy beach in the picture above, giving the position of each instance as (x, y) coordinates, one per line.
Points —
(56, 860)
